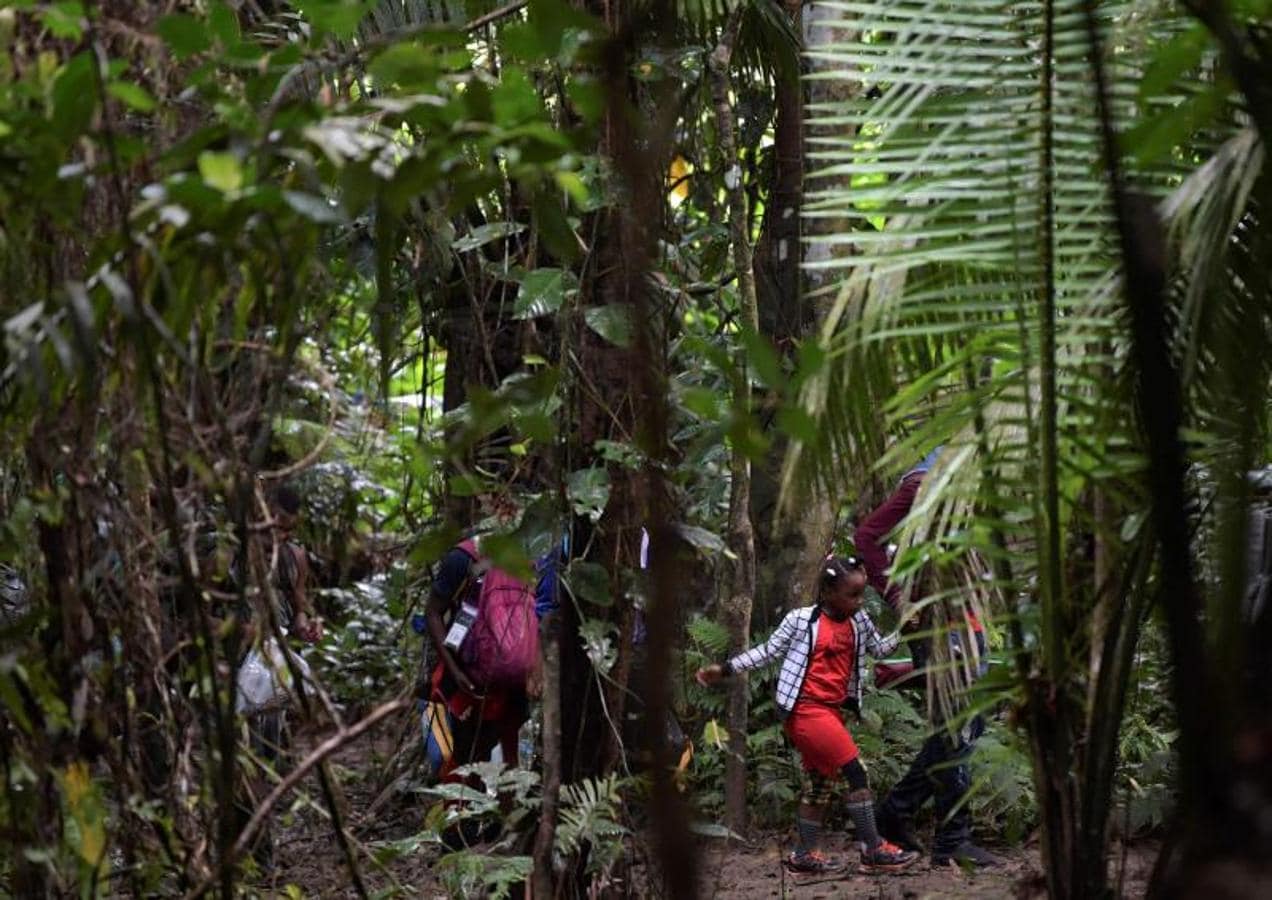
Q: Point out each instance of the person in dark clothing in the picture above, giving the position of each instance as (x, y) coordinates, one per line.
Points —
(291, 578)
(480, 717)
(940, 770)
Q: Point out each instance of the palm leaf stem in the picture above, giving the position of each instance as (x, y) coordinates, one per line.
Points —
(1143, 253)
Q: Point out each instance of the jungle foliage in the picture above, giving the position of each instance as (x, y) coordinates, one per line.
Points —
(603, 264)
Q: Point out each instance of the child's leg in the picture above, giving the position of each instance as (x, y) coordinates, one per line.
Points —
(812, 811)
(879, 856)
(861, 803)
(808, 858)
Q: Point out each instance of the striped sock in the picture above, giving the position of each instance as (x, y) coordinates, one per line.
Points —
(809, 834)
(862, 813)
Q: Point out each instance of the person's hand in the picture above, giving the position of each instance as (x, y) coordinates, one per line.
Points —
(709, 675)
(465, 683)
(534, 683)
(308, 628)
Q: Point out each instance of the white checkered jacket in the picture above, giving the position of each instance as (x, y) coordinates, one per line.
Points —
(794, 641)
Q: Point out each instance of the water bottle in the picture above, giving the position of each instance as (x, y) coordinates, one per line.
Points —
(527, 741)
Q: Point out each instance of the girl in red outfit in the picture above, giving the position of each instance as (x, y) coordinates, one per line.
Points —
(823, 649)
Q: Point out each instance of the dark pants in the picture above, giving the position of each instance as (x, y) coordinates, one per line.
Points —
(939, 771)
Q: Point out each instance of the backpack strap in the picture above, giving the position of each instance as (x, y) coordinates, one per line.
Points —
(471, 588)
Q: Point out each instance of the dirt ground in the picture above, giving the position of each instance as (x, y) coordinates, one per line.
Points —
(309, 863)
(757, 872)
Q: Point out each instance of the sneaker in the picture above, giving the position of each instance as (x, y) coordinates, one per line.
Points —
(967, 855)
(812, 862)
(887, 857)
(897, 829)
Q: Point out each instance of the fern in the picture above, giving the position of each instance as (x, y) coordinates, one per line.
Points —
(588, 818)
(710, 635)
(466, 874)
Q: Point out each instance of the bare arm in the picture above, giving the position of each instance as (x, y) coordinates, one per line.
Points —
(307, 623)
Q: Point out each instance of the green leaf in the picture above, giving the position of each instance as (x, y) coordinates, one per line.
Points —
(573, 185)
(746, 435)
(74, 96)
(338, 17)
(184, 34)
(552, 30)
(620, 453)
(221, 171)
(587, 96)
(589, 582)
(485, 234)
(715, 735)
(223, 23)
(408, 66)
(797, 423)
(554, 227)
(1155, 137)
(506, 552)
(464, 485)
(133, 95)
(555, 19)
(597, 637)
(1171, 60)
(65, 21)
(763, 358)
(315, 209)
(589, 491)
(702, 540)
(702, 402)
(515, 100)
(542, 293)
(613, 322)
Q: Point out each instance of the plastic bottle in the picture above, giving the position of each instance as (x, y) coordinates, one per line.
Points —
(528, 741)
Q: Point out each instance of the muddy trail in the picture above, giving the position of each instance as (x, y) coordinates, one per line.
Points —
(388, 816)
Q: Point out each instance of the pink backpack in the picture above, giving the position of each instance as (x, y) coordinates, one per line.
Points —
(503, 647)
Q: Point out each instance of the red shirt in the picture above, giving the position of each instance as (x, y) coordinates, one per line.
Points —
(831, 666)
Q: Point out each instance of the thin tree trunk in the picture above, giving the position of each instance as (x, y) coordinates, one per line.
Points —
(789, 545)
(543, 884)
(737, 609)
(1052, 715)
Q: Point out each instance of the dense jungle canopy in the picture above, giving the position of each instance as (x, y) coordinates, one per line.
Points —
(660, 299)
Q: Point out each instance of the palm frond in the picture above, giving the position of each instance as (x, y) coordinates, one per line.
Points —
(934, 174)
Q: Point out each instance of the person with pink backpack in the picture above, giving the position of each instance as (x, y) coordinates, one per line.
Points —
(482, 624)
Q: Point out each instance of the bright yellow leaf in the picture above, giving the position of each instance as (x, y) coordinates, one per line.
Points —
(678, 177)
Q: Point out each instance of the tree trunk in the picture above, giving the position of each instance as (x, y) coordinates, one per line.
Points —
(546, 836)
(790, 545)
(737, 609)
